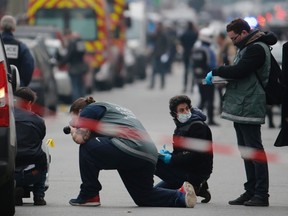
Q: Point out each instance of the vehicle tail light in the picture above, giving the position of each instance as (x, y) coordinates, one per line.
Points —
(37, 73)
(4, 104)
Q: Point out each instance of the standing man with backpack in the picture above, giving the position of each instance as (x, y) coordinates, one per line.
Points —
(203, 60)
(245, 103)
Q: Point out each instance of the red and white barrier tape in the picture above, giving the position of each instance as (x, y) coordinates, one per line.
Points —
(187, 143)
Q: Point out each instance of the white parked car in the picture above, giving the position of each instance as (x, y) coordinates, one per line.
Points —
(54, 48)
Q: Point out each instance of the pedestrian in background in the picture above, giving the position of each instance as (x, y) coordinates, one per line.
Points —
(77, 67)
(245, 103)
(187, 40)
(225, 56)
(160, 55)
(173, 40)
(203, 60)
(17, 52)
(132, 153)
(195, 167)
(31, 160)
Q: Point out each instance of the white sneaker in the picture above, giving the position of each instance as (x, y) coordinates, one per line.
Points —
(190, 195)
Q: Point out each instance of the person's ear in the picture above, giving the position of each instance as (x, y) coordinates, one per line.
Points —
(29, 105)
(173, 114)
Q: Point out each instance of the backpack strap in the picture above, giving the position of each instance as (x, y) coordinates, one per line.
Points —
(269, 57)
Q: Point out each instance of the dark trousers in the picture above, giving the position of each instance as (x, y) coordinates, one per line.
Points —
(207, 100)
(187, 71)
(30, 179)
(158, 68)
(137, 174)
(78, 86)
(173, 177)
(249, 135)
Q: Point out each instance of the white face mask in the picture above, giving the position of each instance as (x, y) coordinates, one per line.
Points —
(184, 117)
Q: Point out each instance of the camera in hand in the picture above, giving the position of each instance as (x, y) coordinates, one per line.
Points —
(67, 130)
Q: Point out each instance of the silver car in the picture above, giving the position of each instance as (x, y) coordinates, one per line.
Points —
(8, 83)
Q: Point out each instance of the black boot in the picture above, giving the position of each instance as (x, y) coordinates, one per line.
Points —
(19, 193)
(39, 201)
(241, 199)
(204, 192)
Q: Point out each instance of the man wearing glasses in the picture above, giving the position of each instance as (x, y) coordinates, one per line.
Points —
(244, 103)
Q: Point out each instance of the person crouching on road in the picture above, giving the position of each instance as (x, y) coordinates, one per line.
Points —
(133, 157)
(31, 160)
(182, 164)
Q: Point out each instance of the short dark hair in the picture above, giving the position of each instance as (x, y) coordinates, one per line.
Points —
(26, 93)
(238, 25)
(175, 101)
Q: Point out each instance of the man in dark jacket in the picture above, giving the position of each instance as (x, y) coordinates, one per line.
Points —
(187, 40)
(244, 103)
(186, 163)
(76, 63)
(17, 52)
(160, 55)
(31, 160)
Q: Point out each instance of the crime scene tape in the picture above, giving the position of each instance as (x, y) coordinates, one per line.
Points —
(186, 143)
(231, 150)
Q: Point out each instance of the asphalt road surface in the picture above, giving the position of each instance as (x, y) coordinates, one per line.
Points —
(151, 107)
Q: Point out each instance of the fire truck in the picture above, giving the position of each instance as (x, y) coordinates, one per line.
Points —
(101, 25)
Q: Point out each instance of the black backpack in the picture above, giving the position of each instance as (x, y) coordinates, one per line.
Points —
(200, 62)
(275, 86)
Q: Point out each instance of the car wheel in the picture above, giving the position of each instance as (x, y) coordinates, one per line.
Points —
(7, 206)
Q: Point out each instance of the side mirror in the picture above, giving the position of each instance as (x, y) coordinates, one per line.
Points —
(15, 78)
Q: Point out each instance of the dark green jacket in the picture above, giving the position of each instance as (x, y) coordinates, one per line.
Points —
(244, 100)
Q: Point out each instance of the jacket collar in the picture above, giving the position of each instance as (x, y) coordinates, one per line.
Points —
(250, 38)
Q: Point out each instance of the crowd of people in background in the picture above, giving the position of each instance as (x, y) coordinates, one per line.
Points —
(172, 42)
(197, 49)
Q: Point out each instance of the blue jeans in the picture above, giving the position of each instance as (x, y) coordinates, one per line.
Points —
(78, 86)
(137, 174)
(27, 178)
(249, 135)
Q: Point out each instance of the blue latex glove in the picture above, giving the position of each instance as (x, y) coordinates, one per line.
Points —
(166, 158)
(164, 150)
(208, 78)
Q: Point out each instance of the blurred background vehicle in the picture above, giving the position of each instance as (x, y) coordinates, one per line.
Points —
(54, 43)
(8, 80)
(101, 25)
(43, 80)
(136, 40)
(56, 51)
